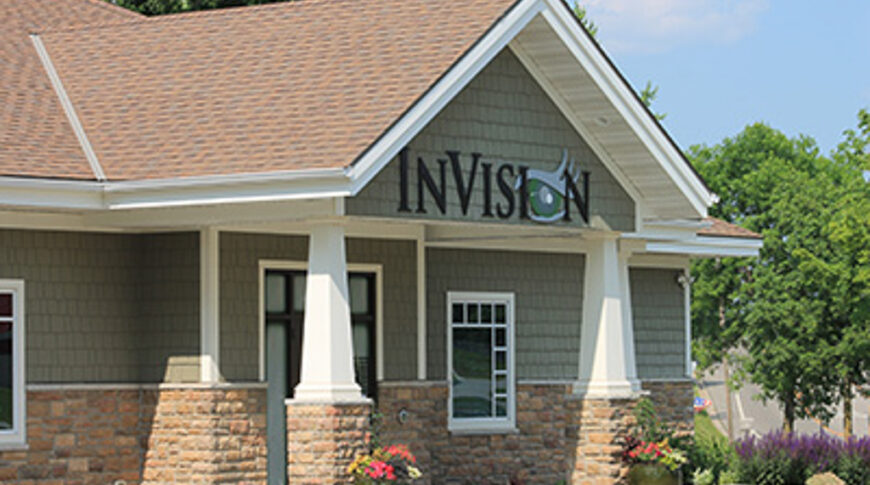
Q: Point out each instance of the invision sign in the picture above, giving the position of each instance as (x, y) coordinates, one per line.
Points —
(521, 192)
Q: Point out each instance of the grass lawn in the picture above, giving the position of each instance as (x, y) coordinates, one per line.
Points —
(705, 429)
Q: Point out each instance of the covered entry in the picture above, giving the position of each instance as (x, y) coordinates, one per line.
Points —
(284, 289)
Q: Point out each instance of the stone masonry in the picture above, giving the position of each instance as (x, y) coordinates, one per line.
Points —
(323, 439)
(80, 435)
(204, 436)
(560, 437)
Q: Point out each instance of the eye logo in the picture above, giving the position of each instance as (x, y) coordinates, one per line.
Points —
(546, 191)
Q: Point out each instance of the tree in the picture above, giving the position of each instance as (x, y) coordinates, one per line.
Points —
(769, 184)
(839, 272)
(161, 7)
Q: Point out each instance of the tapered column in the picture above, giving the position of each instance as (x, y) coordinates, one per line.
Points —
(327, 372)
(607, 362)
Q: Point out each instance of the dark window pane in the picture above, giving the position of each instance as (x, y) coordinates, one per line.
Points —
(501, 360)
(473, 315)
(5, 375)
(500, 313)
(299, 292)
(501, 384)
(5, 304)
(472, 368)
(500, 337)
(457, 313)
(485, 313)
(276, 293)
(359, 295)
(501, 407)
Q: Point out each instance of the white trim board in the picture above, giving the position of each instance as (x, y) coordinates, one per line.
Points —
(68, 108)
(291, 265)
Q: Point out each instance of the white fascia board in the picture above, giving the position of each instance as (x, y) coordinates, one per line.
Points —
(188, 191)
(709, 247)
(678, 229)
(246, 188)
(562, 22)
(48, 193)
(426, 108)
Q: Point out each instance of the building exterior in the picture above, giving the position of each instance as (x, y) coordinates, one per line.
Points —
(227, 237)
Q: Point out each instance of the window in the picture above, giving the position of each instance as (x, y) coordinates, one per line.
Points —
(12, 363)
(480, 361)
(285, 306)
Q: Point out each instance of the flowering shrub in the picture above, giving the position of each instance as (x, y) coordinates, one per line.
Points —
(640, 451)
(779, 458)
(389, 464)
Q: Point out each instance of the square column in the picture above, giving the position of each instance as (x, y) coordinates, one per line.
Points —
(327, 373)
(607, 360)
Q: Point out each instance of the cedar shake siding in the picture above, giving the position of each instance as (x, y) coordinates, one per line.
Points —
(504, 115)
(107, 307)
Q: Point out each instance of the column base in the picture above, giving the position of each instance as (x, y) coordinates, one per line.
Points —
(621, 389)
(329, 393)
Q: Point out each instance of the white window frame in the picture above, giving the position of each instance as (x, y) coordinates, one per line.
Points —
(506, 424)
(295, 265)
(17, 436)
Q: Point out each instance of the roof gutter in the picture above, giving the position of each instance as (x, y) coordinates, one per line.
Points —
(68, 195)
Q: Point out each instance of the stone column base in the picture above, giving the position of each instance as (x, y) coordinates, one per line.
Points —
(324, 438)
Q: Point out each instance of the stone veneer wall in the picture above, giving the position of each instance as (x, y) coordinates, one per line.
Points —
(97, 435)
(559, 437)
(323, 439)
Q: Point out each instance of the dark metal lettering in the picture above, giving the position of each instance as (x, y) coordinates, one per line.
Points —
(581, 201)
(487, 189)
(463, 190)
(439, 195)
(524, 192)
(505, 188)
(403, 181)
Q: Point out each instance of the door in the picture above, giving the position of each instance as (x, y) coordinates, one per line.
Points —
(285, 313)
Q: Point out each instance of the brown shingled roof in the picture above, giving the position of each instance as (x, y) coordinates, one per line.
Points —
(288, 86)
(720, 228)
(35, 137)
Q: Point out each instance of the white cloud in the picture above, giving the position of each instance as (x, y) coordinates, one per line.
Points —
(659, 25)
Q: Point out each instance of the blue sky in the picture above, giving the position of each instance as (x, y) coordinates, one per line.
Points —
(802, 67)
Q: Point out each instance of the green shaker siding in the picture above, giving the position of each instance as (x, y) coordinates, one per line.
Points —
(99, 306)
(504, 115)
(169, 307)
(657, 307)
(548, 292)
(399, 260)
(239, 302)
(239, 307)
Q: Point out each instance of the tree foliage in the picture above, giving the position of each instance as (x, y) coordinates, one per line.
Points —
(798, 312)
(161, 7)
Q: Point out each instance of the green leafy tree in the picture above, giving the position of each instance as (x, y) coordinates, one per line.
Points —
(768, 183)
(839, 270)
(161, 7)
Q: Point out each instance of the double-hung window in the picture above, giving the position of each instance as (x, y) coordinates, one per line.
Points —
(480, 361)
(12, 395)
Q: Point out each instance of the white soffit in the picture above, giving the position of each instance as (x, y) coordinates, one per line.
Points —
(582, 82)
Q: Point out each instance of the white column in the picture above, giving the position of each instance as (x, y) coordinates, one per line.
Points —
(327, 372)
(607, 361)
(685, 281)
(421, 305)
(209, 298)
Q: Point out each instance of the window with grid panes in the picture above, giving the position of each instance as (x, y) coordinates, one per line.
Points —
(481, 360)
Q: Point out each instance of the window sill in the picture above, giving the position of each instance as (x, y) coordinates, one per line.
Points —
(478, 431)
(13, 446)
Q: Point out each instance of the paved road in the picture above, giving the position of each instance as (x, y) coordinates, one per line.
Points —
(751, 415)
